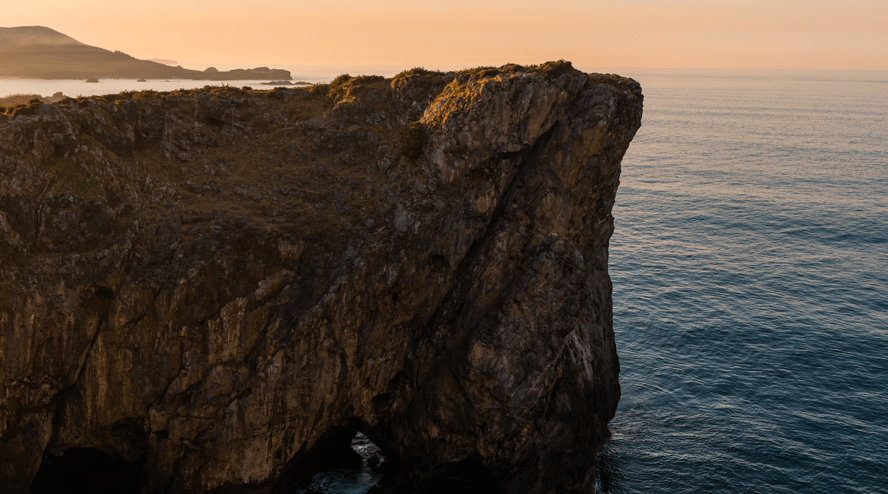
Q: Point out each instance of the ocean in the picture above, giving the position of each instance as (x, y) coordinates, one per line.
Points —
(750, 278)
(750, 275)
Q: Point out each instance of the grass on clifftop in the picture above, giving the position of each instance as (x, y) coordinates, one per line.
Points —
(321, 173)
(24, 103)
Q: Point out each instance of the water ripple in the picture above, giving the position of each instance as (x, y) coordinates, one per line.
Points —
(751, 289)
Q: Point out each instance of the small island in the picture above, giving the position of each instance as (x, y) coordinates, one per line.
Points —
(37, 52)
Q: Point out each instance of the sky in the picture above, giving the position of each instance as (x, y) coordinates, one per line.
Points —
(723, 34)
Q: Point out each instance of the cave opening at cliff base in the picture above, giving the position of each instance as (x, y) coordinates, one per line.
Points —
(347, 461)
(86, 470)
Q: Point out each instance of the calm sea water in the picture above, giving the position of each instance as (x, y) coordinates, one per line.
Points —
(317, 73)
(750, 274)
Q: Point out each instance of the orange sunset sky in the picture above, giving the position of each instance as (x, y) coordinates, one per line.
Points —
(753, 34)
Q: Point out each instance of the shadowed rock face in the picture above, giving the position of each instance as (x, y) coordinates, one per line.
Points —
(210, 285)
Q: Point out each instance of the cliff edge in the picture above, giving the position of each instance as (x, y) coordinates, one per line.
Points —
(212, 286)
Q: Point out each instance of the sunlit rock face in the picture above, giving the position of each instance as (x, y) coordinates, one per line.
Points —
(209, 285)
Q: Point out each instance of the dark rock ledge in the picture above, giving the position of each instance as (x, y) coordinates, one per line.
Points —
(211, 287)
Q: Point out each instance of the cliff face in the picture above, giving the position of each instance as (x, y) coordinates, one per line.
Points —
(211, 285)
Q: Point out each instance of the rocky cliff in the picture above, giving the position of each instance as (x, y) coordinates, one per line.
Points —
(212, 286)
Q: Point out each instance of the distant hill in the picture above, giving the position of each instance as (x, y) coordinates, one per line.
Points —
(163, 61)
(37, 52)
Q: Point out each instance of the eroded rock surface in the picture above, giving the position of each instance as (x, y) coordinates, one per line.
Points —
(211, 284)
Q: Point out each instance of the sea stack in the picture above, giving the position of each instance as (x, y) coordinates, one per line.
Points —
(210, 286)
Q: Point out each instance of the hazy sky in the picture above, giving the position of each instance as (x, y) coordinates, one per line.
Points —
(809, 34)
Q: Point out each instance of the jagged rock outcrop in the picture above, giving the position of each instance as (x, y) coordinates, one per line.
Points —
(210, 285)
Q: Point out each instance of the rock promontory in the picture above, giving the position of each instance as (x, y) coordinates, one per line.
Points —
(212, 288)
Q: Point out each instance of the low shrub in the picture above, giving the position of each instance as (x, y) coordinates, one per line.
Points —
(22, 109)
(147, 94)
(417, 71)
(340, 80)
(18, 99)
(319, 90)
(366, 79)
(417, 76)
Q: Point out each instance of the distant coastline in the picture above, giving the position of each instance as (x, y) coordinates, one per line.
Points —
(163, 61)
(22, 98)
(74, 88)
(36, 52)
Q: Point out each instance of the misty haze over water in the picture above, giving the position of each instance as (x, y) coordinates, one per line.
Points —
(325, 73)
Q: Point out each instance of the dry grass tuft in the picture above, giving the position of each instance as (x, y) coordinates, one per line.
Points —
(29, 108)
(323, 173)
(19, 99)
(417, 76)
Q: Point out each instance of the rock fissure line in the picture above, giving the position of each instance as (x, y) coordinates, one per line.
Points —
(460, 273)
(64, 394)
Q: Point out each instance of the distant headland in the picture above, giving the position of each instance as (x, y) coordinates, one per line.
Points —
(36, 52)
